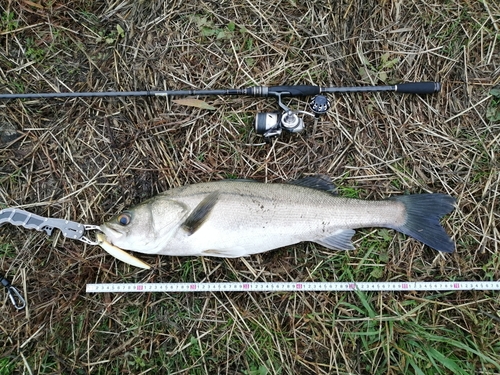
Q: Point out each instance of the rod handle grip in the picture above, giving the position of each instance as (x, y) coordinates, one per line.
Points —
(418, 88)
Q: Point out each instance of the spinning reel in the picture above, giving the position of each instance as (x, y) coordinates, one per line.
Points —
(271, 124)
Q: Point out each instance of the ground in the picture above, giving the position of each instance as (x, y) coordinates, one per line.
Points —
(86, 159)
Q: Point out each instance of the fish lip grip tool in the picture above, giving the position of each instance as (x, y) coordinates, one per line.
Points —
(28, 220)
(69, 229)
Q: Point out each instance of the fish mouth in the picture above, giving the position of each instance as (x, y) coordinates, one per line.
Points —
(112, 235)
(120, 254)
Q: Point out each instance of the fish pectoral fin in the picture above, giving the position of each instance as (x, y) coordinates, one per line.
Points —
(340, 240)
(201, 212)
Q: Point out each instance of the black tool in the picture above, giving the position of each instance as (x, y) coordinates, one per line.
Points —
(14, 295)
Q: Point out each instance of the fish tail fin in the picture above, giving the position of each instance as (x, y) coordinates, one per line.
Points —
(423, 212)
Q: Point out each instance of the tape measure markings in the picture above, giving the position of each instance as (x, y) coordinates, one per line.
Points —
(292, 286)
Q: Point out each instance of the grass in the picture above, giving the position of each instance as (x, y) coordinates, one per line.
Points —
(87, 159)
(403, 342)
(493, 111)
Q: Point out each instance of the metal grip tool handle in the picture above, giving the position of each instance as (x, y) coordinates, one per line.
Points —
(25, 219)
(28, 220)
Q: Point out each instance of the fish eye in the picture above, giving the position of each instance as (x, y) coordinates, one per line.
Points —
(124, 219)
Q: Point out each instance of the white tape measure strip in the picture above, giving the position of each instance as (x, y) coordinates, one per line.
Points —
(292, 286)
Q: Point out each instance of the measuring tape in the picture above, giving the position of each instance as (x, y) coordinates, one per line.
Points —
(293, 286)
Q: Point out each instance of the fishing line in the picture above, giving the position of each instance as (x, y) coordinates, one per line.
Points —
(432, 286)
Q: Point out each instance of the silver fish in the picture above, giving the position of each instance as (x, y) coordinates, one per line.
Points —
(234, 218)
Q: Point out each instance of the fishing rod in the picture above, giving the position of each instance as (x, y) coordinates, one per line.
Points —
(268, 124)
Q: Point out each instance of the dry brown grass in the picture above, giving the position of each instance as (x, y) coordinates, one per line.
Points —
(86, 159)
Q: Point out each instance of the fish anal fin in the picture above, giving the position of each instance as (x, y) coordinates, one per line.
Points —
(340, 240)
(318, 182)
(200, 213)
(223, 253)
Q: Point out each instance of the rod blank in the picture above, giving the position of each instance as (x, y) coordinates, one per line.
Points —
(262, 91)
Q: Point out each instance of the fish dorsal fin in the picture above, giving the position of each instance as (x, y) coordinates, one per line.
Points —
(200, 213)
(240, 180)
(318, 182)
(340, 240)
